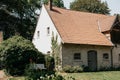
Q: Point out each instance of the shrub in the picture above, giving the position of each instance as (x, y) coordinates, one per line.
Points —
(75, 69)
(86, 69)
(67, 68)
(35, 74)
(52, 77)
(49, 62)
(16, 53)
(105, 69)
(109, 69)
(78, 69)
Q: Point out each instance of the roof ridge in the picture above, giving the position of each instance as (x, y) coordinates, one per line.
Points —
(81, 11)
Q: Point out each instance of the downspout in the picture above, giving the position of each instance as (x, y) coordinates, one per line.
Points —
(112, 56)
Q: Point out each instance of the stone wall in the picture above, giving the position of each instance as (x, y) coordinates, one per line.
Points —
(116, 55)
(68, 51)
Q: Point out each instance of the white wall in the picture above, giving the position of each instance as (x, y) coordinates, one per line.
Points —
(43, 42)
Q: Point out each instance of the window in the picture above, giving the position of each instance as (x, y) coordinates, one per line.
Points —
(119, 57)
(77, 56)
(48, 30)
(48, 52)
(105, 56)
(38, 33)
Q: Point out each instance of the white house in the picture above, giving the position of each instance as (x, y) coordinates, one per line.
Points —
(85, 38)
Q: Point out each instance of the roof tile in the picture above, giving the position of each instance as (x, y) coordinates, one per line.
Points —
(81, 27)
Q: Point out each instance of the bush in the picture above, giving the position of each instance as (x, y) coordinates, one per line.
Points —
(67, 69)
(16, 53)
(86, 69)
(109, 69)
(49, 62)
(35, 74)
(78, 69)
(105, 69)
(52, 77)
(75, 69)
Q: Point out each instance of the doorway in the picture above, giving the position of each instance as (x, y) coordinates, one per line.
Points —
(92, 60)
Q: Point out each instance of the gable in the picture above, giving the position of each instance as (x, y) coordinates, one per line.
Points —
(115, 32)
(43, 41)
(116, 24)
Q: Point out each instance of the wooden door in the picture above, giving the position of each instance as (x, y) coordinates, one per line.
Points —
(92, 60)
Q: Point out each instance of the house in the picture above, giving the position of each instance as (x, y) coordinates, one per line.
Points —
(82, 38)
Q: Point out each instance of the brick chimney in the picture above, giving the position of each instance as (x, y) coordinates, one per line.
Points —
(50, 4)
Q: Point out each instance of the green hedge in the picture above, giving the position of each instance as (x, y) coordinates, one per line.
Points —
(73, 69)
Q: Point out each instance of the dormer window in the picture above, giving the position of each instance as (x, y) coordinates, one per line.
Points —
(38, 33)
(48, 30)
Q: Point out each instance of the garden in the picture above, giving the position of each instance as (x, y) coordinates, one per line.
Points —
(18, 58)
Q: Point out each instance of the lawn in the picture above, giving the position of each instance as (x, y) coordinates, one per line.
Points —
(109, 75)
(17, 78)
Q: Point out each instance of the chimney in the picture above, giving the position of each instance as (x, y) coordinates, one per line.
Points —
(50, 4)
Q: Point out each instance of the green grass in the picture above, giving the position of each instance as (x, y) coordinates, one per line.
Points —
(17, 78)
(109, 75)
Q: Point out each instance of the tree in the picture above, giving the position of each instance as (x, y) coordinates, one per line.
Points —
(56, 51)
(16, 53)
(18, 17)
(94, 6)
(58, 3)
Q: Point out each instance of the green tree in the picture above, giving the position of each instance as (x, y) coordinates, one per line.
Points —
(16, 53)
(94, 6)
(18, 17)
(58, 3)
(56, 51)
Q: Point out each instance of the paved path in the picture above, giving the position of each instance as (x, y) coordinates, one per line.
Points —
(2, 75)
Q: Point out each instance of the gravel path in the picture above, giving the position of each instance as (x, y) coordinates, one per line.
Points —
(2, 75)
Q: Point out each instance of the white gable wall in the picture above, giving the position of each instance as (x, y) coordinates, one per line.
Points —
(43, 41)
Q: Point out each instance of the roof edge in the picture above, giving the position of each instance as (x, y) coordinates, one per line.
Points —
(116, 17)
(53, 22)
(90, 44)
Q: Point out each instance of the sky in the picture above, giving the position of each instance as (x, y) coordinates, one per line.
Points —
(114, 5)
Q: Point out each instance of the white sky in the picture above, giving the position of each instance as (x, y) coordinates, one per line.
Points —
(114, 5)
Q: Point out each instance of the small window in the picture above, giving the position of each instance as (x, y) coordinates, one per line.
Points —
(77, 56)
(105, 56)
(119, 57)
(38, 33)
(48, 52)
(48, 30)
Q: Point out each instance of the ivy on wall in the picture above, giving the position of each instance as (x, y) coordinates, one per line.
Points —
(56, 49)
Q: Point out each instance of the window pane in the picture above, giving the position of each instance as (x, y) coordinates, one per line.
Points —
(38, 33)
(77, 56)
(48, 30)
(105, 56)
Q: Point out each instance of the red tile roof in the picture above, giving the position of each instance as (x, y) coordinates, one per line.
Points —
(81, 27)
(106, 23)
